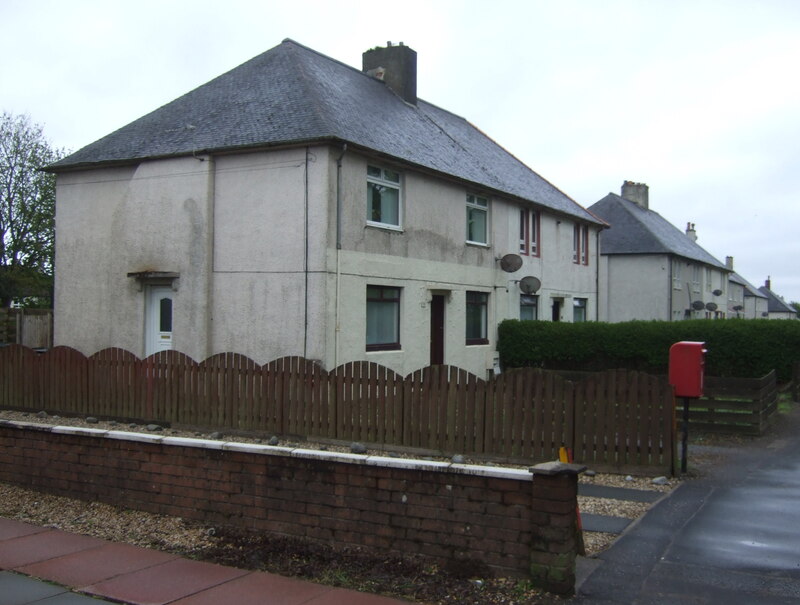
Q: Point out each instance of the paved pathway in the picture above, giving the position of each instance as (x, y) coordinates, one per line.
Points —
(732, 537)
(139, 576)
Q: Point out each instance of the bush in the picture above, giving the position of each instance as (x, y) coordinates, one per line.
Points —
(736, 347)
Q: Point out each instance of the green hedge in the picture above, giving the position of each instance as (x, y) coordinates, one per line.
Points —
(736, 347)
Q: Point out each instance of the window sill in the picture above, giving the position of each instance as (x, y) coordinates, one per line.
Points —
(385, 226)
(379, 348)
(477, 341)
(478, 244)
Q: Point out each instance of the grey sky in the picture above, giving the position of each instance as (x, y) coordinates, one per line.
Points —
(698, 99)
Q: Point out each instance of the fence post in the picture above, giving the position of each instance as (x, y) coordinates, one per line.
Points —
(796, 381)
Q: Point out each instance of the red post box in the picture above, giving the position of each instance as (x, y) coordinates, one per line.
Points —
(686, 368)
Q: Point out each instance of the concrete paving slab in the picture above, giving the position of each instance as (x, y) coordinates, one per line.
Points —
(591, 490)
(604, 523)
(70, 598)
(20, 590)
(164, 583)
(42, 546)
(9, 528)
(95, 565)
(256, 589)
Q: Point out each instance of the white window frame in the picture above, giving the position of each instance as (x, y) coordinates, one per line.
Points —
(676, 274)
(386, 180)
(474, 205)
(529, 301)
(529, 232)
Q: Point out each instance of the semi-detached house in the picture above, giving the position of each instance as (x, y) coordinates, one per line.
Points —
(298, 206)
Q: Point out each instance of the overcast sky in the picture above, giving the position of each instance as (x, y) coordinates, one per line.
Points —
(698, 99)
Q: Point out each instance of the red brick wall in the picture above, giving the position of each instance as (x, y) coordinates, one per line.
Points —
(499, 518)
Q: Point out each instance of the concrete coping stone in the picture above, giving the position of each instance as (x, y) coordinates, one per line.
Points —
(343, 457)
(76, 430)
(557, 468)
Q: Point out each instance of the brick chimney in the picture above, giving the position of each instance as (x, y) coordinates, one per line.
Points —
(691, 233)
(638, 193)
(768, 283)
(396, 65)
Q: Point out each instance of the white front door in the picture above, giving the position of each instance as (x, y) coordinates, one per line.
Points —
(158, 320)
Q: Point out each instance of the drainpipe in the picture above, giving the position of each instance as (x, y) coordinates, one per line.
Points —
(211, 203)
(305, 259)
(338, 253)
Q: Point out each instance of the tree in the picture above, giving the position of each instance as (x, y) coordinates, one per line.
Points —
(796, 306)
(27, 211)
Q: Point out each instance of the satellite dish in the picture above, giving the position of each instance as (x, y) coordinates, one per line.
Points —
(529, 284)
(511, 262)
(698, 305)
(764, 314)
(717, 292)
(711, 306)
(738, 308)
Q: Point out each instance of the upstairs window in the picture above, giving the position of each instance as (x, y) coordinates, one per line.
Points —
(477, 219)
(477, 317)
(383, 318)
(708, 279)
(529, 232)
(696, 278)
(580, 244)
(676, 274)
(383, 197)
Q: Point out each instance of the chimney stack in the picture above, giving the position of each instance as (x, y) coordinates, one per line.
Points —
(690, 232)
(396, 65)
(729, 262)
(768, 283)
(638, 193)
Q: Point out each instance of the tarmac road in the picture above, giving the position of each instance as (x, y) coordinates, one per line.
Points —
(731, 537)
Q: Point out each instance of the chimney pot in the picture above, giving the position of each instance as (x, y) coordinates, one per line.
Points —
(691, 233)
(399, 64)
(638, 193)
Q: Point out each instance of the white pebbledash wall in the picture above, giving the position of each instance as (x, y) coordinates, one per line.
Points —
(253, 237)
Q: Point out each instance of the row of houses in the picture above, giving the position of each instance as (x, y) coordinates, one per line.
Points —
(298, 206)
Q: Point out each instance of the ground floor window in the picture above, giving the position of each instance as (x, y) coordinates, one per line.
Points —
(578, 310)
(477, 316)
(528, 306)
(383, 318)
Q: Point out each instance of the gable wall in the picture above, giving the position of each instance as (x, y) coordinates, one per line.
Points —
(112, 222)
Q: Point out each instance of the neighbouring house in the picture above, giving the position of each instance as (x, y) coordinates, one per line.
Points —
(650, 269)
(298, 206)
(744, 299)
(777, 308)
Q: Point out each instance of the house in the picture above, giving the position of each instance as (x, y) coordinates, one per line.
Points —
(649, 269)
(298, 206)
(744, 299)
(777, 308)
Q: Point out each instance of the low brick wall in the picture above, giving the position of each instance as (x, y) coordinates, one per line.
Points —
(517, 522)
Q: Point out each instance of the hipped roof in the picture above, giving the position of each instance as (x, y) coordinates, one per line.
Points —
(294, 95)
(637, 230)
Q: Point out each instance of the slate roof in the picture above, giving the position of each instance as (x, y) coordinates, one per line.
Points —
(636, 230)
(292, 94)
(776, 304)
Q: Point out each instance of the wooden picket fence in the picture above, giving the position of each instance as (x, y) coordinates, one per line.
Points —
(735, 405)
(612, 420)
